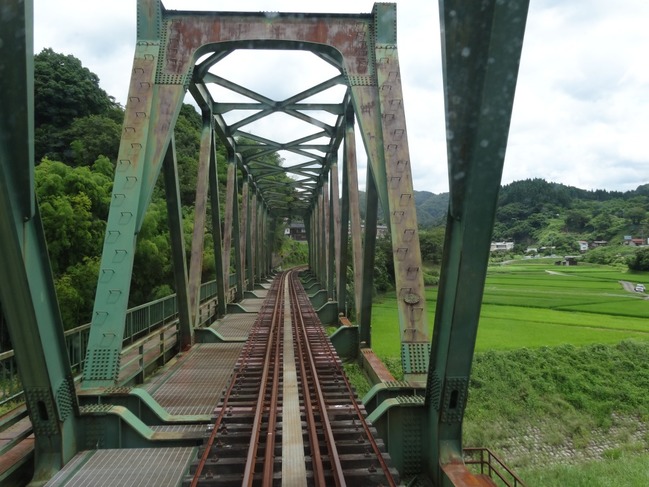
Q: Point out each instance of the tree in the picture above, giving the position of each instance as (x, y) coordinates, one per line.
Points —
(91, 137)
(640, 260)
(431, 243)
(74, 207)
(63, 91)
(576, 220)
(635, 215)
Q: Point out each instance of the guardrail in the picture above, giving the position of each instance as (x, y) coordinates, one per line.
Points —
(141, 321)
(488, 463)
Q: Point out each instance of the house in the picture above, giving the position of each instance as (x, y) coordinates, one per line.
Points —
(501, 246)
(567, 260)
(583, 245)
(599, 243)
(296, 231)
(635, 242)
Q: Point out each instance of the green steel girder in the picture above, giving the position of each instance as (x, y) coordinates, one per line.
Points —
(221, 275)
(200, 215)
(379, 108)
(481, 52)
(140, 403)
(172, 188)
(150, 115)
(111, 426)
(27, 288)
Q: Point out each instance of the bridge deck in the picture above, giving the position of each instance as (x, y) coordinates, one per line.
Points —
(162, 467)
(192, 384)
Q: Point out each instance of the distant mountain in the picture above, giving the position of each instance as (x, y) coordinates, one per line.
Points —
(431, 208)
(535, 211)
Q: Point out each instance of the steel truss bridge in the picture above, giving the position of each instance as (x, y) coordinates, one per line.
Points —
(99, 414)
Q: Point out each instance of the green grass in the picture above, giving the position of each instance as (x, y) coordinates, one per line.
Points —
(561, 354)
(624, 471)
(526, 306)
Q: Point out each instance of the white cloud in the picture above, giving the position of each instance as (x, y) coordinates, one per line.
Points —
(580, 110)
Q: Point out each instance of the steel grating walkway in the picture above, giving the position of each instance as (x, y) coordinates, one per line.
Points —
(160, 467)
(194, 384)
(235, 326)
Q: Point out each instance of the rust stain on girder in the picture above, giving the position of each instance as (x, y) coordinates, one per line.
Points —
(185, 34)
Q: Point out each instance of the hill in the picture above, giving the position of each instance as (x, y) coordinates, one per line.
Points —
(535, 212)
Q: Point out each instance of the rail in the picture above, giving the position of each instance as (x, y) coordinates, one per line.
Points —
(489, 464)
(288, 349)
(141, 321)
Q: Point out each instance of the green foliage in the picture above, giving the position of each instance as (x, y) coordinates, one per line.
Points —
(625, 469)
(93, 136)
(65, 91)
(383, 265)
(293, 253)
(74, 206)
(76, 292)
(567, 397)
(357, 378)
(431, 243)
(639, 261)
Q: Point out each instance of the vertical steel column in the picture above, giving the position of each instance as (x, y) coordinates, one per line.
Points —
(243, 235)
(252, 243)
(27, 288)
(481, 51)
(151, 112)
(343, 256)
(322, 241)
(317, 238)
(237, 229)
(350, 175)
(308, 228)
(259, 247)
(172, 188)
(380, 112)
(230, 192)
(216, 228)
(326, 230)
(200, 216)
(266, 241)
(335, 224)
(369, 252)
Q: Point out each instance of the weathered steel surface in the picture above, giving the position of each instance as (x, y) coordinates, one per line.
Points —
(150, 112)
(350, 177)
(178, 246)
(27, 290)
(200, 216)
(482, 45)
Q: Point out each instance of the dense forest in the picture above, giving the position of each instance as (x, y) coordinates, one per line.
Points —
(77, 133)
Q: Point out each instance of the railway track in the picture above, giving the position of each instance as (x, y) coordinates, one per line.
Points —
(289, 416)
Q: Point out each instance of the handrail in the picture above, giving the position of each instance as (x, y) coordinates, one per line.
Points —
(140, 322)
(491, 465)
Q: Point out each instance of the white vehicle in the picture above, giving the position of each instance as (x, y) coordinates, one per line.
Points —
(639, 288)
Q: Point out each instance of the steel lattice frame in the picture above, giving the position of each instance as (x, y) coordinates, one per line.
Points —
(481, 51)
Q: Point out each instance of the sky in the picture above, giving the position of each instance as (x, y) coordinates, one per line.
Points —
(581, 111)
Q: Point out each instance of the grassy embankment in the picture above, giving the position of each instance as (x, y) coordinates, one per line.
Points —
(560, 375)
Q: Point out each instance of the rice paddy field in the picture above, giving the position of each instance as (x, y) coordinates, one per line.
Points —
(533, 303)
(561, 372)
